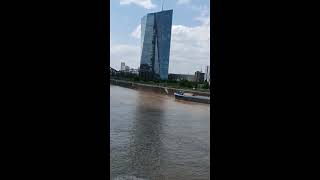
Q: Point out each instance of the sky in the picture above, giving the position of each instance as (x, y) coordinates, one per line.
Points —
(190, 34)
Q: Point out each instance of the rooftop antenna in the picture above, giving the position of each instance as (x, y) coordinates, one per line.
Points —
(162, 5)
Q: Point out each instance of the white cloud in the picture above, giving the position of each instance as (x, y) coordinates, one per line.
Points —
(129, 54)
(183, 1)
(147, 4)
(190, 48)
(137, 32)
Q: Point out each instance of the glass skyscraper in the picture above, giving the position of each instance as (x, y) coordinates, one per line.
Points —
(155, 45)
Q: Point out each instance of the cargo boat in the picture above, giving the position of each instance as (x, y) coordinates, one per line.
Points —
(180, 95)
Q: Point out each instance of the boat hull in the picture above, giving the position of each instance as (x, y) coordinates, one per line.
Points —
(192, 98)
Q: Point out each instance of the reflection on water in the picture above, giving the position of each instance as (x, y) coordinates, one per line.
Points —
(154, 136)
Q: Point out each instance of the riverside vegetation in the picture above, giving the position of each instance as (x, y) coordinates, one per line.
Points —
(183, 84)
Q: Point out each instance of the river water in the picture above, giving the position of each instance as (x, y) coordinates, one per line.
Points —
(154, 136)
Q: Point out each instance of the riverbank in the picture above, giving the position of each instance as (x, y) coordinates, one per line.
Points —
(154, 88)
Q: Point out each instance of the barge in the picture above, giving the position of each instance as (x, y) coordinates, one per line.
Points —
(180, 95)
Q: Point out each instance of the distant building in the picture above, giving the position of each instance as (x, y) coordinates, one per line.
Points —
(199, 77)
(113, 71)
(155, 45)
(207, 74)
(127, 69)
(123, 66)
(179, 77)
(134, 71)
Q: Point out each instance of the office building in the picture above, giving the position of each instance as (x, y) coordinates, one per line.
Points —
(199, 77)
(180, 77)
(123, 66)
(134, 71)
(207, 74)
(155, 45)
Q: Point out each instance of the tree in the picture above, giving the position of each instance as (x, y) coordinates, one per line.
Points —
(206, 85)
(186, 83)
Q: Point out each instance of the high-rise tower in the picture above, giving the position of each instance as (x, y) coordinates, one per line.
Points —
(155, 45)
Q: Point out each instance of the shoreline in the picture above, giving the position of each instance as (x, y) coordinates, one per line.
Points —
(154, 88)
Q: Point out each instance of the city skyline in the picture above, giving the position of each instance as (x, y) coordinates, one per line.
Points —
(190, 36)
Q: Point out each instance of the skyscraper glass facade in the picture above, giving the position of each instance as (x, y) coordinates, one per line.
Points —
(155, 45)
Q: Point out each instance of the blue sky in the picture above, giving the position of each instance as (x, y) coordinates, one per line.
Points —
(190, 39)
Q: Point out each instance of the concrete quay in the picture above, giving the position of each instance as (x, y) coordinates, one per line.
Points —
(154, 88)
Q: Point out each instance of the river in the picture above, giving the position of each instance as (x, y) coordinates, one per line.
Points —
(154, 136)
